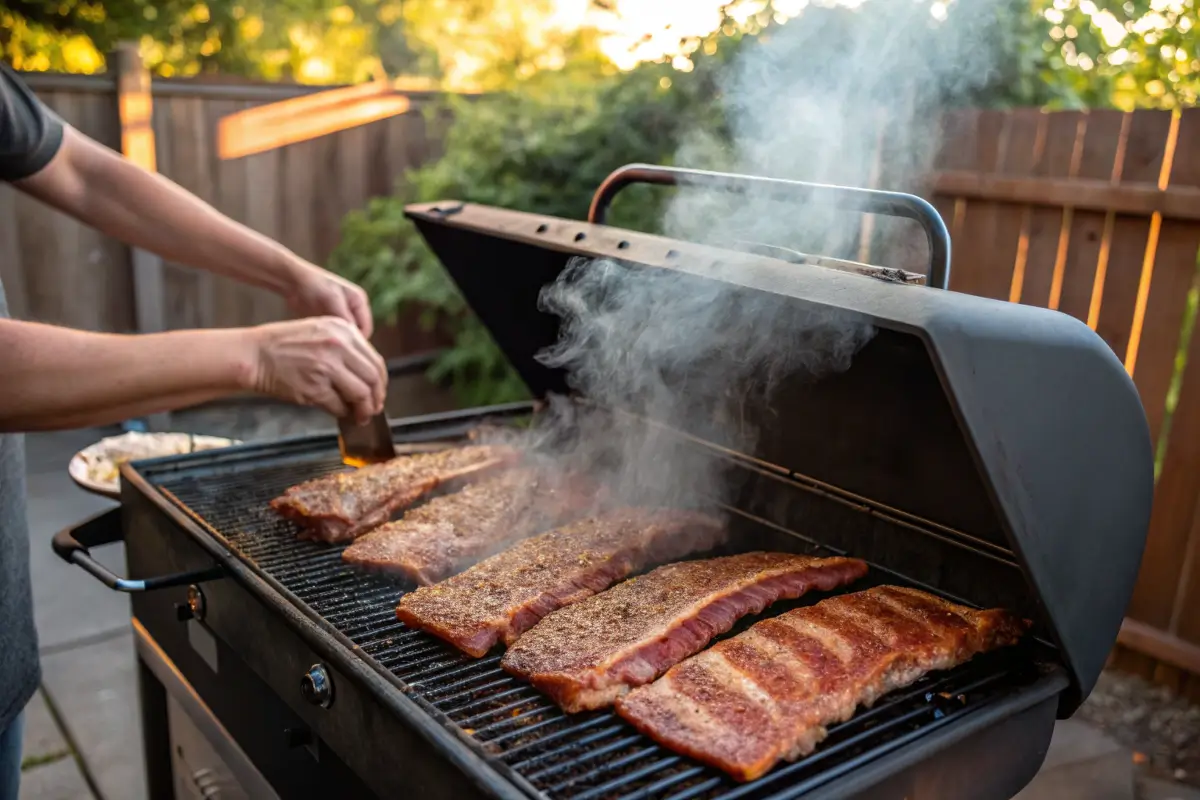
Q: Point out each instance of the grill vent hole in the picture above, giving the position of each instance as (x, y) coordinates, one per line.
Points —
(579, 237)
(543, 228)
(622, 245)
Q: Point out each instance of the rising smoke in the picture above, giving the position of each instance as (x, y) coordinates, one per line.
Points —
(700, 356)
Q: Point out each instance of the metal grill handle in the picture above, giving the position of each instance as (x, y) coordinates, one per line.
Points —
(868, 201)
(71, 545)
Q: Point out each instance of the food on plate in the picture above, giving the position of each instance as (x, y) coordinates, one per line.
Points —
(588, 654)
(502, 597)
(339, 507)
(454, 531)
(100, 464)
(768, 694)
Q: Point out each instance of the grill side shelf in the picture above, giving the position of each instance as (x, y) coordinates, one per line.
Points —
(510, 739)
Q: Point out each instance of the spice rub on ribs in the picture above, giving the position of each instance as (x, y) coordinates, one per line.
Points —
(337, 508)
(504, 596)
(769, 693)
(452, 532)
(587, 655)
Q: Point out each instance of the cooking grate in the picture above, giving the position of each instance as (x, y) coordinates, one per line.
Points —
(525, 736)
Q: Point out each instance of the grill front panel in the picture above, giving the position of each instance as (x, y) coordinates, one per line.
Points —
(520, 732)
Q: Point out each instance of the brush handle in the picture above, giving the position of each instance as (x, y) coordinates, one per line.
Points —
(868, 201)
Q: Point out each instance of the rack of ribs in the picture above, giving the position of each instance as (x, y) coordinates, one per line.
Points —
(769, 693)
(454, 531)
(502, 597)
(588, 654)
(337, 508)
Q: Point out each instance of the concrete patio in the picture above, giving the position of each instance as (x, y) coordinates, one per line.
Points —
(82, 734)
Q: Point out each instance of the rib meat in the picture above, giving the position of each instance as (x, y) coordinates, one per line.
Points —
(449, 533)
(767, 694)
(587, 655)
(504, 596)
(339, 507)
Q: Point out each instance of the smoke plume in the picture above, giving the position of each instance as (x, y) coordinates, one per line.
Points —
(656, 351)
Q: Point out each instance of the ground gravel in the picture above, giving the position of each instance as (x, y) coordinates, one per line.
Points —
(1162, 728)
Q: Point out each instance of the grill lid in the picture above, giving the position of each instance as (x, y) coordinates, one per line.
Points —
(1014, 425)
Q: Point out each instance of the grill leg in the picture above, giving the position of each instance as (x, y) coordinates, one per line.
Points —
(156, 735)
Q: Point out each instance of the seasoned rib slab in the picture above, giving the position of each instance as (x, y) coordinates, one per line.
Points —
(504, 596)
(587, 655)
(767, 694)
(449, 533)
(339, 507)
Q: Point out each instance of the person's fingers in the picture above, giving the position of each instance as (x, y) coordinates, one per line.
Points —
(334, 303)
(355, 394)
(379, 377)
(360, 309)
(329, 401)
(365, 370)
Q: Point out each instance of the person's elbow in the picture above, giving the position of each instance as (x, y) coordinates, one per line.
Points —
(64, 182)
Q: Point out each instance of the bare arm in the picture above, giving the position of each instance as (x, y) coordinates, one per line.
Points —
(103, 189)
(56, 378)
(62, 378)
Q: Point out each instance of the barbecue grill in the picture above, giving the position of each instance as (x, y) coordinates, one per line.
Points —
(994, 453)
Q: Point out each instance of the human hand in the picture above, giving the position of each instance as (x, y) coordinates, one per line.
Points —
(316, 292)
(319, 361)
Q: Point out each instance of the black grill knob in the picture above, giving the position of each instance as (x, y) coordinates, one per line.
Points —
(317, 686)
(182, 612)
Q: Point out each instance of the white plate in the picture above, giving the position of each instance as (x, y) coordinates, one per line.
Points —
(97, 468)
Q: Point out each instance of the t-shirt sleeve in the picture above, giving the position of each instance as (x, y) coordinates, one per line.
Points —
(30, 133)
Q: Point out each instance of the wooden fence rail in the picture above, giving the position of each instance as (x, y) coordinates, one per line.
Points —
(1094, 214)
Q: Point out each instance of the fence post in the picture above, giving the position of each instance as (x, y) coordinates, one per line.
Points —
(135, 110)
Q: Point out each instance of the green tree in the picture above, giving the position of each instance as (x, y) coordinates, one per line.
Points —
(1127, 53)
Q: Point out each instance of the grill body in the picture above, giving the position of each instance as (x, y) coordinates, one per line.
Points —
(411, 717)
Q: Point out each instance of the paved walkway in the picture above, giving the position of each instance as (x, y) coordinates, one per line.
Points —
(83, 741)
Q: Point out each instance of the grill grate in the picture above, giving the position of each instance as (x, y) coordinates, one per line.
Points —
(582, 757)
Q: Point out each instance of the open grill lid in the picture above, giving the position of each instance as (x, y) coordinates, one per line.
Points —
(1008, 425)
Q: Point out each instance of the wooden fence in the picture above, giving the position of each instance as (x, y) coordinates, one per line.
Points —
(1098, 215)
(56, 270)
(1094, 214)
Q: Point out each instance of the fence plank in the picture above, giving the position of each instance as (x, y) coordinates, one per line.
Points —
(1144, 151)
(230, 306)
(299, 188)
(956, 150)
(1046, 236)
(1004, 259)
(327, 199)
(109, 260)
(1173, 520)
(263, 186)
(188, 165)
(978, 222)
(1172, 272)
(1073, 290)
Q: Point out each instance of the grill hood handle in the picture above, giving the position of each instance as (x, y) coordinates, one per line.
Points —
(71, 545)
(868, 201)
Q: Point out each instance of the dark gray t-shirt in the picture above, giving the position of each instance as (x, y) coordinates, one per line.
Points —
(30, 136)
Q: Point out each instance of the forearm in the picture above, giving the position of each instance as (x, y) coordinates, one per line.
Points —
(140, 408)
(104, 190)
(61, 378)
